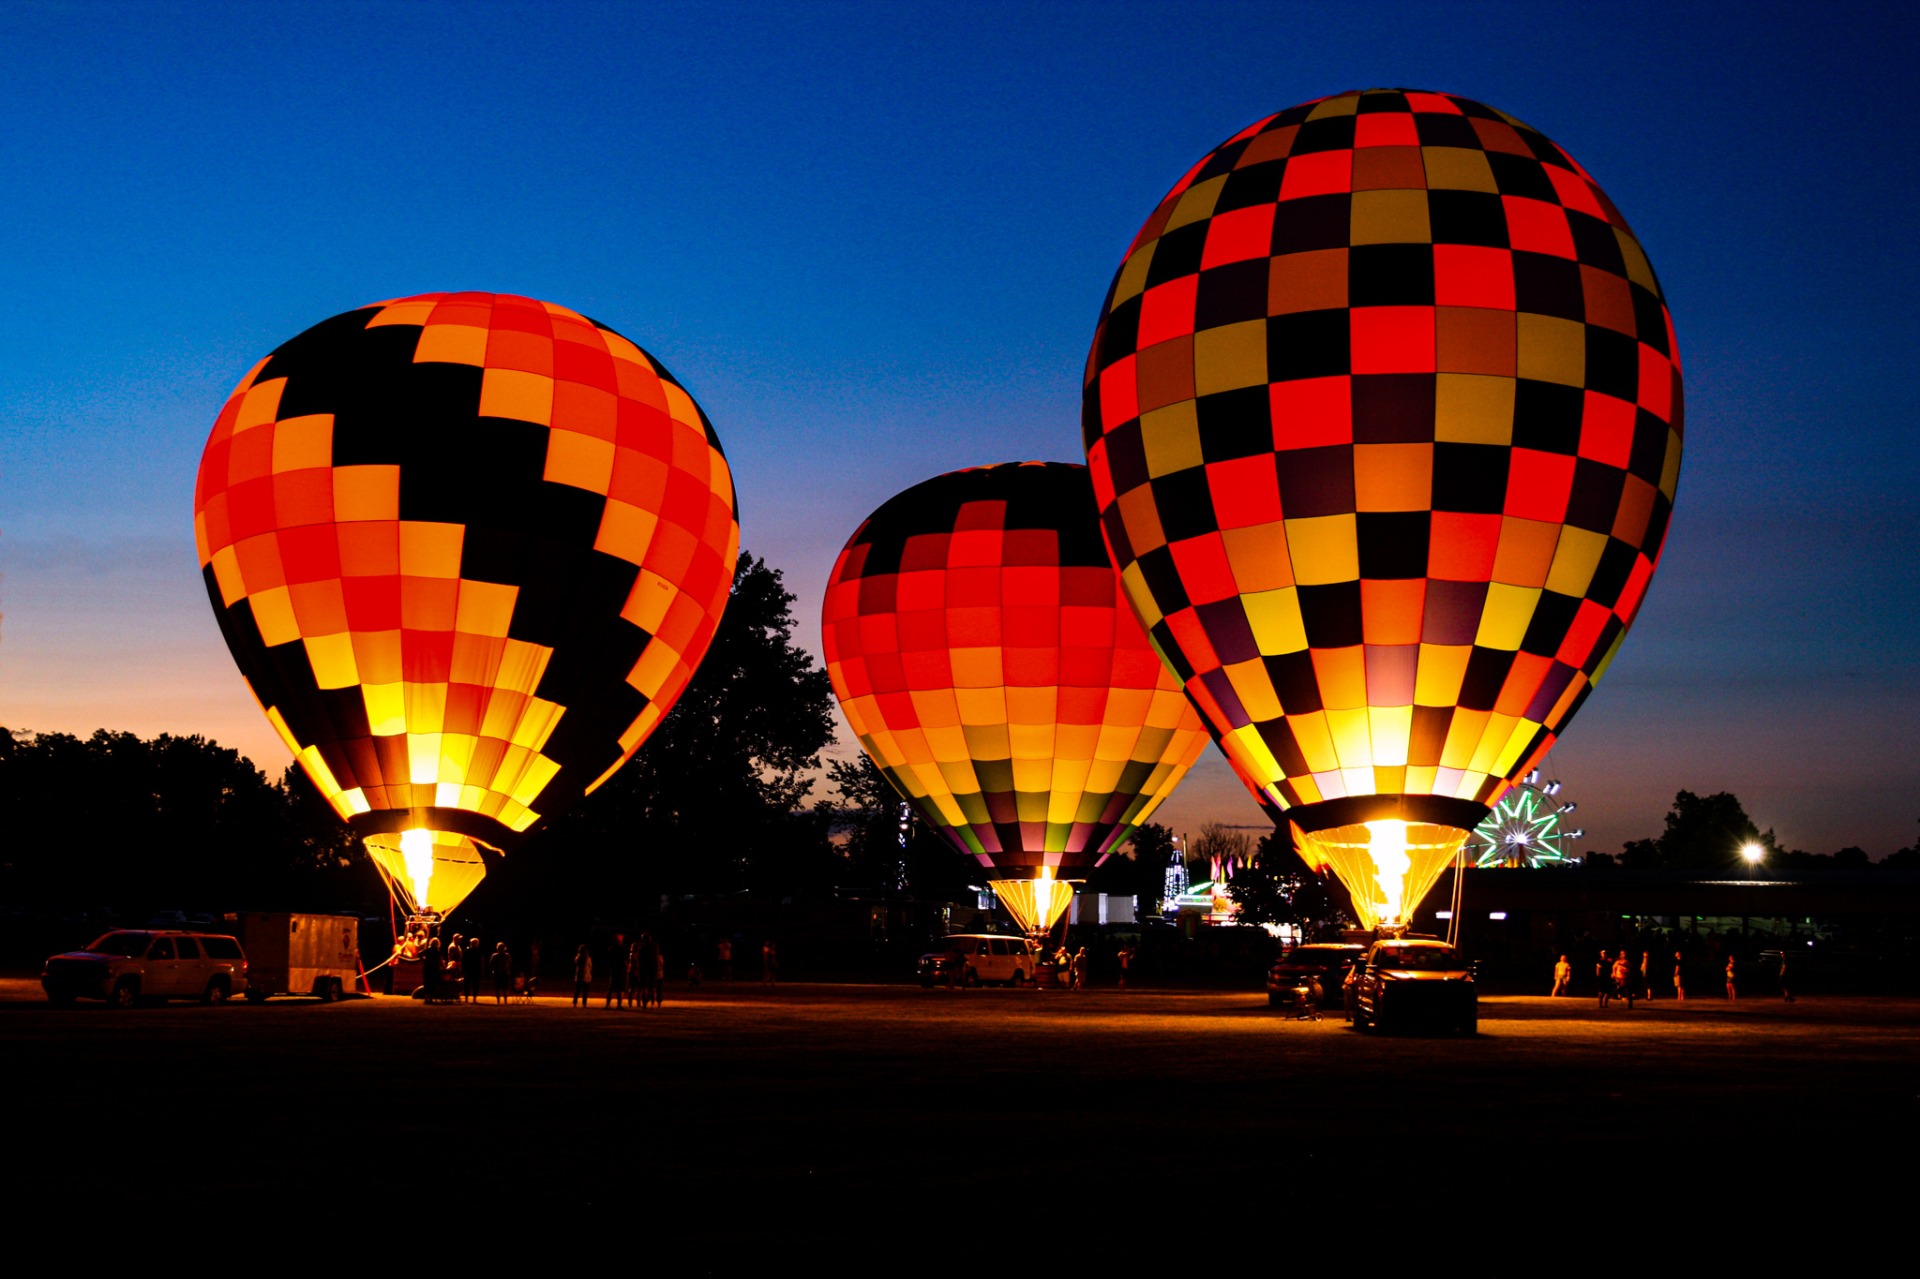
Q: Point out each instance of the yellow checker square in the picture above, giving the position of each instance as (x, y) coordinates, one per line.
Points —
(579, 461)
(1229, 357)
(523, 397)
(981, 705)
(1471, 409)
(1196, 203)
(331, 657)
(1324, 549)
(1171, 439)
(273, 615)
(1441, 673)
(1552, 349)
(1458, 169)
(1345, 104)
(1503, 621)
(1133, 275)
(302, 443)
(1575, 559)
(1274, 616)
(485, 608)
(1390, 217)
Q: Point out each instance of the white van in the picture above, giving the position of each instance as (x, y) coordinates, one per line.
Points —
(980, 957)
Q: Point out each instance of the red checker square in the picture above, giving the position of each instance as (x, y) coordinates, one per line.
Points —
(1201, 563)
(250, 508)
(1030, 627)
(250, 455)
(259, 560)
(928, 667)
(1636, 587)
(1191, 637)
(639, 382)
(877, 593)
(587, 410)
(973, 627)
(214, 474)
(586, 365)
(1606, 429)
(691, 452)
(303, 497)
(1119, 393)
(841, 600)
(1311, 412)
(1473, 275)
(526, 352)
(896, 709)
(1498, 135)
(1086, 627)
(1538, 227)
(1035, 548)
(1084, 703)
(922, 589)
(1574, 192)
(309, 554)
(426, 657)
(885, 674)
(466, 708)
(1239, 235)
(567, 329)
(517, 315)
(1141, 668)
(1245, 491)
(975, 548)
(854, 677)
(1103, 494)
(373, 603)
(1462, 546)
(223, 424)
(219, 532)
(671, 552)
(1087, 668)
(926, 551)
(924, 629)
(980, 515)
(1432, 104)
(1317, 173)
(1538, 485)
(685, 502)
(644, 427)
(1393, 339)
(1030, 585)
(973, 588)
(1656, 383)
(1385, 129)
(707, 577)
(639, 479)
(1096, 586)
(1166, 311)
(475, 310)
(682, 620)
(1588, 622)
(1673, 341)
(1031, 667)
(1523, 681)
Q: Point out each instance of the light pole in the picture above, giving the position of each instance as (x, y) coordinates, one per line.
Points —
(1753, 853)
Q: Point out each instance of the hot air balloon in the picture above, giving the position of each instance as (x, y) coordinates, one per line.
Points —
(1384, 418)
(975, 636)
(467, 549)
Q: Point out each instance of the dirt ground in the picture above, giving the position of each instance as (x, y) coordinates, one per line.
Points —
(898, 1096)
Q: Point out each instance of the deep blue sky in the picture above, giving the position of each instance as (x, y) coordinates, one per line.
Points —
(872, 240)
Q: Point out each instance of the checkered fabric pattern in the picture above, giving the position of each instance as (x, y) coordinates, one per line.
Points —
(977, 640)
(1384, 419)
(467, 549)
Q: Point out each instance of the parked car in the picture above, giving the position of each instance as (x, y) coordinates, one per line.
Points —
(1409, 982)
(1329, 962)
(973, 958)
(127, 966)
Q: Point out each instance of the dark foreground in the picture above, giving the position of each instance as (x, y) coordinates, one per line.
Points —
(829, 1100)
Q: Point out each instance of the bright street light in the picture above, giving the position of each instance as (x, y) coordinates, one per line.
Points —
(1752, 852)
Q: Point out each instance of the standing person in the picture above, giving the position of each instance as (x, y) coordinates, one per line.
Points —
(1623, 979)
(659, 976)
(723, 956)
(1786, 991)
(1126, 962)
(1731, 993)
(451, 974)
(617, 976)
(1679, 980)
(1646, 974)
(582, 976)
(432, 966)
(501, 965)
(769, 962)
(636, 974)
(1603, 978)
(1562, 974)
(474, 966)
(1080, 969)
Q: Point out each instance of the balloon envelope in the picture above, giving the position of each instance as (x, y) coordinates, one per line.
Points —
(1384, 419)
(467, 549)
(976, 638)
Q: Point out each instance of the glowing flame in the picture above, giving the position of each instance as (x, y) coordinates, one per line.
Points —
(416, 849)
(1036, 904)
(1387, 844)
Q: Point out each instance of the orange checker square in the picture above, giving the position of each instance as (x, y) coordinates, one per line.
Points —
(259, 561)
(1606, 429)
(1535, 226)
(1496, 135)
(1166, 374)
(639, 382)
(1311, 412)
(1609, 300)
(1391, 610)
(319, 606)
(1473, 275)
(691, 452)
(1245, 491)
(671, 553)
(1482, 340)
(639, 479)
(523, 351)
(1636, 509)
(1461, 546)
(1312, 281)
(429, 603)
(369, 548)
(1525, 557)
(1393, 477)
(1237, 236)
(1393, 339)
(1317, 173)
(1274, 144)
(1538, 485)
(588, 410)
(1523, 681)
(303, 497)
(1389, 168)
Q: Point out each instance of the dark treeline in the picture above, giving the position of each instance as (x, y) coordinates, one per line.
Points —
(1706, 833)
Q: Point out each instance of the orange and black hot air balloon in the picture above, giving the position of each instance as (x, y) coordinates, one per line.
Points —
(976, 638)
(1384, 417)
(467, 549)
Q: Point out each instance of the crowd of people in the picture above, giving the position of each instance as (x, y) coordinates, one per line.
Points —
(1618, 976)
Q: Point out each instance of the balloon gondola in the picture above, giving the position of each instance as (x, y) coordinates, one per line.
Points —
(467, 549)
(1383, 413)
(978, 644)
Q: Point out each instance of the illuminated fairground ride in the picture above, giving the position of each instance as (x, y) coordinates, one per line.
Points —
(1526, 828)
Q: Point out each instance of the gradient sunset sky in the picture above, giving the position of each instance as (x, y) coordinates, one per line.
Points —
(873, 240)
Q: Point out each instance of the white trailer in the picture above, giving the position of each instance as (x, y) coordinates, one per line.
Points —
(291, 954)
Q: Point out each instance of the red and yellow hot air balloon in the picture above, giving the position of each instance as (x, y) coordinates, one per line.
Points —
(467, 549)
(976, 638)
(1384, 418)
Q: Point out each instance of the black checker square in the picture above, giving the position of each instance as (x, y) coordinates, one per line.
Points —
(1470, 478)
(1547, 416)
(1390, 275)
(1468, 217)
(1309, 344)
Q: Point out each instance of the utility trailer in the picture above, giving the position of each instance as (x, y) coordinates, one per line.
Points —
(292, 954)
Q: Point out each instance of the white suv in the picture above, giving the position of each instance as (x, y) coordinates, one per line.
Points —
(973, 958)
(128, 966)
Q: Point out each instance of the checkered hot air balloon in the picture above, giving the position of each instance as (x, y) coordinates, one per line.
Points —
(467, 549)
(1384, 419)
(976, 638)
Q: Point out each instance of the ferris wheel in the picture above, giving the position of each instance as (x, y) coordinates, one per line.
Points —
(1526, 828)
